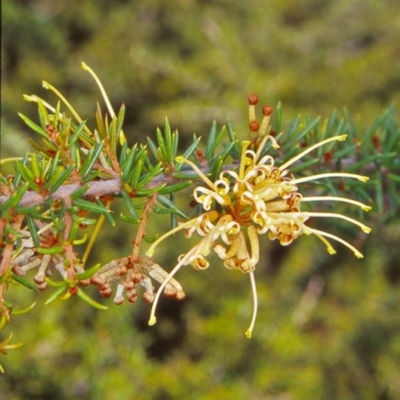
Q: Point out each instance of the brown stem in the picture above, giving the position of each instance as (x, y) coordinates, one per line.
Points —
(7, 253)
(96, 189)
(142, 229)
(68, 247)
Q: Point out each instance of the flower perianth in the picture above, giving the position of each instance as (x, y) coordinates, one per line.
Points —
(219, 189)
(201, 225)
(224, 228)
(255, 199)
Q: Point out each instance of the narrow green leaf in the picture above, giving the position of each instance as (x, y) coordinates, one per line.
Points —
(56, 294)
(152, 147)
(50, 250)
(228, 149)
(24, 282)
(54, 184)
(74, 155)
(148, 177)
(84, 137)
(293, 127)
(340, 128)
(18, 176)
(345, 151)
(92, 159)
(88, 206)
(33, 126)
(236, 151)
(170, 205)
(27, 175)
(217, 141)
(15, 198)
(216, 168)
(175, 142)
(120, 121)
(129, 205)
(93, 175)
(304, 165)
(161, 144)
(301, 133)
(174, 219)
(73, 232)
(124, 153)
(85, 168)
(107, 216)
(89, 272)
(128, 220)
(150, 191)
(126, 167)
(56, 115)
(162, 211)
(174, 188)
(32, 211)
(64, 135)
(33, 231)
(188, 152)
(78, 132)
(134, 158)
(358, 165)
(25, 172)
(26, 309)
(53, 167)
(112, 136)
(211, 140)
(133, 177)
(168, 141)
(80, 192)
(43, 114)
(56, 284)
(83, 296)
(379, 194)
(35, 166)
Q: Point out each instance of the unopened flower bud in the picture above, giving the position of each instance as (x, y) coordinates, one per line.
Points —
(254, 125)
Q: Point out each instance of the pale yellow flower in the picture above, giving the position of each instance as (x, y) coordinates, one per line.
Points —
(259, 198)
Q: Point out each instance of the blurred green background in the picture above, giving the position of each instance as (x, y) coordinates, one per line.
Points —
(328, 326)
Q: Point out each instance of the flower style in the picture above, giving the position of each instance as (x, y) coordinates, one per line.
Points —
(259, 198)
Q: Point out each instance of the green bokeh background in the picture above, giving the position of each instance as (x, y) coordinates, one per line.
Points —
(328, 326)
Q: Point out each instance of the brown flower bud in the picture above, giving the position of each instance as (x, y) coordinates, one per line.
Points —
(129, 285)
(253, 99)
(98, 280)
(121, 271)
(148, 297)
(107, 292)
(170, 292)
(118, 300)
(267, 110)
(136, 277)
(84, 282)
(42, 286)
(254, 125)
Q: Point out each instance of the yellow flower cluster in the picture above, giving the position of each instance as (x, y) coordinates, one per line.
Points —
(259, 198)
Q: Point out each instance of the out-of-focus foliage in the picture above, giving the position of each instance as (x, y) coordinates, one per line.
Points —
(194, 61)
(328, 327)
